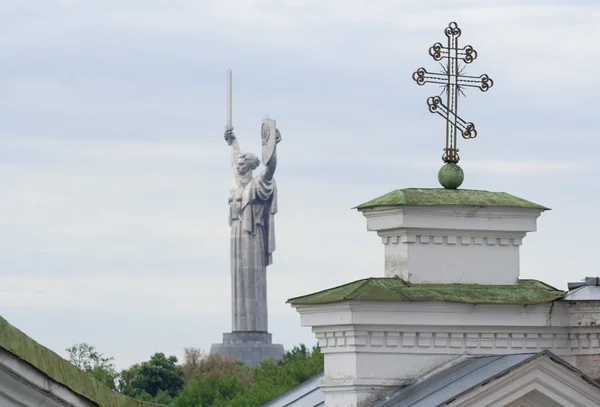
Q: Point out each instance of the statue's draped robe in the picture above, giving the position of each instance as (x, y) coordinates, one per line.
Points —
(251, 216)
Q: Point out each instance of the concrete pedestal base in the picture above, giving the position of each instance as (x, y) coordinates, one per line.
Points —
(250, 348)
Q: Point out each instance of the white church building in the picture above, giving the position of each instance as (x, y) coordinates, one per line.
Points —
(450, 323)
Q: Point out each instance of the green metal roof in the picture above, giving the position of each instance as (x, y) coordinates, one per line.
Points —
(395, 289)
(60, 370)
(441, 196)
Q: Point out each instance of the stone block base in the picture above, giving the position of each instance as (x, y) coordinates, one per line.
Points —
(250, 348)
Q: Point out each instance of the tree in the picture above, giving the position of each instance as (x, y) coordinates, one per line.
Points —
(220, 382)
(163, 397)
(197, 364)
(192, 358)
(128, 381)
(158, 373)
(208, 391)
(88, 359)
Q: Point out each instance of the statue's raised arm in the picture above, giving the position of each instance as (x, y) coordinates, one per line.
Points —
(235, 147)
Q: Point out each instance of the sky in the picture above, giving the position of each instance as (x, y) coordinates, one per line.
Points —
(114, 172)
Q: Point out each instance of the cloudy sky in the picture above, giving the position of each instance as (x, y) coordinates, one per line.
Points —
(114, 173)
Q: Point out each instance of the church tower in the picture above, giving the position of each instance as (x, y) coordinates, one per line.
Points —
(450, 308)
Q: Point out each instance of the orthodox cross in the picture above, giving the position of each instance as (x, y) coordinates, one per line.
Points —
(452, 81)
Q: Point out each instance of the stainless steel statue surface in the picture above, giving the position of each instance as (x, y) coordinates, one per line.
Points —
(252, 209)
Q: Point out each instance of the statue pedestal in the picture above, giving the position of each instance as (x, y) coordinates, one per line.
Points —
(248, 347)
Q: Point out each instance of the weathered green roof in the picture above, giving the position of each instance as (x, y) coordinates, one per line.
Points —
(60, 370)
(395, 289)
(441, 196)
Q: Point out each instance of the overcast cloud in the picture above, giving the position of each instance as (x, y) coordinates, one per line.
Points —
(114, 173)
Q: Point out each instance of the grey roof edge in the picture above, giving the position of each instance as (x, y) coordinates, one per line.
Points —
(583, 293)
(450, 364)
(485, 379)
(446, 377)
(313, 381)
(552, 357)
(572, 368)
(499, 374)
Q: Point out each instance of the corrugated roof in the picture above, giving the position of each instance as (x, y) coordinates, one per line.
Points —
(584, 293)
(448, 384)
(60, 370)
(434, 391)
(306, 394)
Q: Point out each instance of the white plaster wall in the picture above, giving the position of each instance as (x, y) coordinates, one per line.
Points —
(394, 369)
(374, 347)
(452, 218)
(468, 258)
(451, 244)
(341, 365)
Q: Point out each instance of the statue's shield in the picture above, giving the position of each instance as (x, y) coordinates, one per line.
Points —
(268, 134)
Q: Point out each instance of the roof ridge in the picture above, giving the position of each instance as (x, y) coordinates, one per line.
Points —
(364, 282)
(542, 283)
(327, 289)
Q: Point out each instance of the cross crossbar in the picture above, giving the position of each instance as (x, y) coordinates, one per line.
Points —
(453, 81)
(483, 82)
(467, 54)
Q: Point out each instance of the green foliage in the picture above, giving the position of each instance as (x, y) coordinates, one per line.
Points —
(88, 359)
(160, 373)
(198, 365)
(163, 397)
(128, 381)
(216, 381)
(202, 380)
(107, 376)
(208, 391)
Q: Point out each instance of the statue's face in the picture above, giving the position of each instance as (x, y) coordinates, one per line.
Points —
(242, 166)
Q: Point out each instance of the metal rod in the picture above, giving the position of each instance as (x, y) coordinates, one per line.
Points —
(229, 125)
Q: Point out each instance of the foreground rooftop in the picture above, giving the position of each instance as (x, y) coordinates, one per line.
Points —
(58, 370)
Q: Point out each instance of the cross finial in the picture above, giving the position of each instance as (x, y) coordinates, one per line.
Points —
(452, 81)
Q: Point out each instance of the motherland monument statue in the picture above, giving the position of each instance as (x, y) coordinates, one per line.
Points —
(252, 209)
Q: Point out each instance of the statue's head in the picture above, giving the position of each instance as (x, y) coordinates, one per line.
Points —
(246, 163)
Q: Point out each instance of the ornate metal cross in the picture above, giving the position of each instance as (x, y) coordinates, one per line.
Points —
(453, 81)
